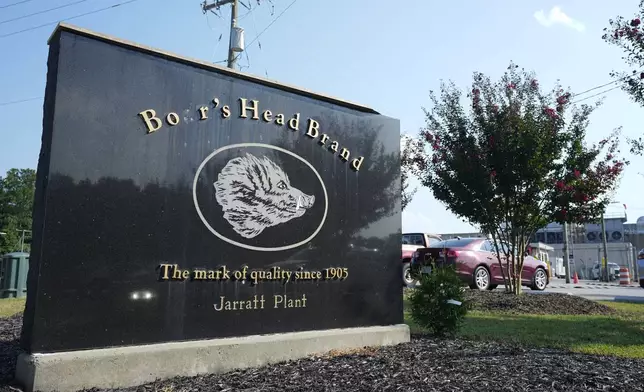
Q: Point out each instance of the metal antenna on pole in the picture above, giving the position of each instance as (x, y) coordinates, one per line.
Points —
(236, 42)
(22, 238)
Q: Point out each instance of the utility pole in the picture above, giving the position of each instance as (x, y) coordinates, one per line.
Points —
(232, 48)
(565, 250)
(605, 263)
(22, 239)
(601, 265)
(636, 267)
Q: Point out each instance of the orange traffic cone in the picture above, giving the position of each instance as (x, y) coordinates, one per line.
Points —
(575, 278)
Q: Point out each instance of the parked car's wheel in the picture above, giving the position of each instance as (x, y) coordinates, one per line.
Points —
(408, 279)
(642, 283)
(481, 278)
(539, 280)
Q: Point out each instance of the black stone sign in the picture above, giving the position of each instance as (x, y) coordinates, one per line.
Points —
(177, 200)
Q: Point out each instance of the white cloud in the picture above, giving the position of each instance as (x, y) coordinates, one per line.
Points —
(557, 16)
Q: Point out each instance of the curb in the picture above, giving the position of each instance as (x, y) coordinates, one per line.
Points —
(597, 287)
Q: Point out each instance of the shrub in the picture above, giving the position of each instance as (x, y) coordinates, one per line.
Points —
(429, 304)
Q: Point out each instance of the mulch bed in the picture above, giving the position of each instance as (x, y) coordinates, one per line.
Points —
(9, 349)
(425, 364)
(500, 301)
(428, 364)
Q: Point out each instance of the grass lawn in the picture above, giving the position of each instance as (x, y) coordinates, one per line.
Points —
(621, 335)
(11, 306)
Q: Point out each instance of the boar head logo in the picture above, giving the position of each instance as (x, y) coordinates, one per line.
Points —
(256, 194)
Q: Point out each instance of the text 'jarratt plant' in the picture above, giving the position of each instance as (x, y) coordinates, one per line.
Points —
(515, 159)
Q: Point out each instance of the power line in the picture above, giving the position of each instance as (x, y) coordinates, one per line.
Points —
(41, 12)
(603, 85)
(214, 52)
(267, 27)
(251, 9)
(259, 43)
(16, 3)
(19, 101)
(223, 61)
(597, 87)
(599, 93)
(70, 18)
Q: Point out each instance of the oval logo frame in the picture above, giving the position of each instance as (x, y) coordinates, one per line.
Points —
(252, 247)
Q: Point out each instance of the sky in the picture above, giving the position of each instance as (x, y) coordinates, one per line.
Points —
(370, 52)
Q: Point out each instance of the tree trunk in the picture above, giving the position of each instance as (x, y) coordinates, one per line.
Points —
(518, 270)
(509, 283)
(517, 284)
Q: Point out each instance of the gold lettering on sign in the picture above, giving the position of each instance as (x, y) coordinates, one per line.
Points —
(283, 301)
(294, 123)
(312, 129)
(149, 117)
(173, 272)
(165, 268)
(356, 163)
(223, 273)
(225, 111)
(203, 111)
(308, 275)
(344, 154)
(254, 303)
(244, 274)
(200, 275)
(250, 109)
(180, 274)
(245, 107)
(172, 118)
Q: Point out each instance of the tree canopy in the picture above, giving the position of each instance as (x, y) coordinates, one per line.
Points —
(514, 159)
(628, 35)
(16, 203)
(406, 159)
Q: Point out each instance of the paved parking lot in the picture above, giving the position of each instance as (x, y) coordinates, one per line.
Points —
(598, 291)
(593, 290)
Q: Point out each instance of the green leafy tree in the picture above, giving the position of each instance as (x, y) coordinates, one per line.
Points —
(514, 160)
(406, 160)
(628, 35)
(16, 203)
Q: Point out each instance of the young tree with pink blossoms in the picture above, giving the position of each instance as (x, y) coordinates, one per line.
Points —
(406, 158)
(628, 35)
(513, 160)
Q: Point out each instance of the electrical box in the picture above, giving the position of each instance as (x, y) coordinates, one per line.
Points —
(13, 275)
(237, 39)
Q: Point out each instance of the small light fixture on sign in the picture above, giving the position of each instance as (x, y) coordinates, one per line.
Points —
(144, 295)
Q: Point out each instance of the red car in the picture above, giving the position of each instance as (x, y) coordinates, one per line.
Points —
(476, 263)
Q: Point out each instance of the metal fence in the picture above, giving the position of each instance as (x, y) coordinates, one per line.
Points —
(586, 256)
